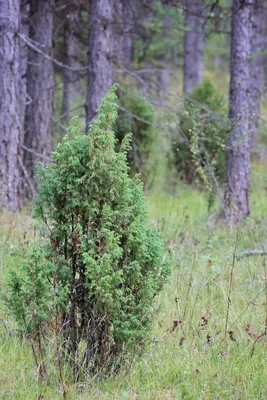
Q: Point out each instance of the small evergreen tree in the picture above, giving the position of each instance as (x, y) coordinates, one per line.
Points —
(107, 261)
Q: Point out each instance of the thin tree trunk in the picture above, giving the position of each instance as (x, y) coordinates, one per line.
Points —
(40, 86)
(164, 78)
(238, 146)
(256, 71)
(9, 104)
(71, 48)
(100, 66)
(193, 44)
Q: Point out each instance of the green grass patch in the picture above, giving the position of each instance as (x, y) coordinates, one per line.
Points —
(207, 340)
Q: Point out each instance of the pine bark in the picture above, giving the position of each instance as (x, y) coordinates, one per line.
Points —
(238, 146)
(124, 14)
(10, 131)
(193, 44)
(100, 44)
(24, 30)
(256, 71)
(71, 48)
(40, 87)
(129, 17)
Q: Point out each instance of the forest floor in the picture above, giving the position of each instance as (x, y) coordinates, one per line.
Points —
(209, 339)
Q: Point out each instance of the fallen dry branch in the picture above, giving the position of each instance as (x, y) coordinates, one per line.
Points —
(248, 253)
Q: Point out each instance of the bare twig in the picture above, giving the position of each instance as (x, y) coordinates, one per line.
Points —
(58, 348)
(248, 253)
(69, 111)
(231, 284)
(35, 153)
(61, 126)
(189, 285)
(28, 179)
(135, 116)
(35, 46)
(249, 304)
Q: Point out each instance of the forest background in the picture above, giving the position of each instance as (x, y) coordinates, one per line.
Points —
(192, 78)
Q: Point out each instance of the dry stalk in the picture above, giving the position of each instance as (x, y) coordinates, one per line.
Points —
(231, 284)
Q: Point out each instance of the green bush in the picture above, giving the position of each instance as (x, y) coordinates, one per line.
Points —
(32, 297)
(199, 147)
(103, 261)
(137, 116)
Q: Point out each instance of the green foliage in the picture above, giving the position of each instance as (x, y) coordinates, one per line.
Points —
(30, 294)
(160, 37)
(198, 149)
(136, 115)
(107, 260)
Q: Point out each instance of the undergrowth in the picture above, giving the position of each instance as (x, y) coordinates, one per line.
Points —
(208, 339)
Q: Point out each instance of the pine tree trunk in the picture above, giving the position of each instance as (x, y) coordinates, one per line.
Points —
(130, 9)
(256, 71)
(193, 44)
(129, 14)
(164, 78)
(124, 13)
(100, 46)
(40, 87)
(118, 33)
(24, 30)
(10, 131)
(71, 48)
(238, 146)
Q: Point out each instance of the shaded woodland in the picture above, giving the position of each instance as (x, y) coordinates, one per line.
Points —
(59, 59)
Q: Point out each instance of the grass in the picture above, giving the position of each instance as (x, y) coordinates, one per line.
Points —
(217, 300)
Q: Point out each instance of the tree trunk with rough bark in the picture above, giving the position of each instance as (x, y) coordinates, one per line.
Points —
(193, 44)
(124, 13)
(71, 49)
(256, 71)
(10, 131)
(129, 16)
(238, 146)
(40, 87)
(118, 33)
(100, 44)
(24, 30)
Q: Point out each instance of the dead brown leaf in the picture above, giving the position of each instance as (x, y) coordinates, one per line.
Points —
(176, 323)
